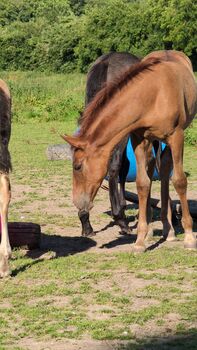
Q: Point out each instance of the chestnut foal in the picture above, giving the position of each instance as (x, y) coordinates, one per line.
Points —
(155, 99)
(105, 69)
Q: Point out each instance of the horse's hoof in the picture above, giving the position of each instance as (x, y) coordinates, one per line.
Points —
(171, 238)
(123, 226)
(88, 234)
(190, 241)
(149, 235)
(4, 264)
(4, 269)
(190, 245)
(4, 274)
(125, 230)
(139, 248)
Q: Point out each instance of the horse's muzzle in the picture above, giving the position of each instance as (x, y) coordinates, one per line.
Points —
(83, 202)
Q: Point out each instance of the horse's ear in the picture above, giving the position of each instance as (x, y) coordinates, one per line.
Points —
(74, 141)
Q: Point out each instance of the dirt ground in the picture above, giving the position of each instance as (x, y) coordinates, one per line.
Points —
(108, 237)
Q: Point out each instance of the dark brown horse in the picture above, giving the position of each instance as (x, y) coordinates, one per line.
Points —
(155, 99)
(105, 69)
(5, 166)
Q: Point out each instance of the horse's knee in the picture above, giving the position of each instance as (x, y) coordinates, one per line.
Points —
(180, 183)
(5, 181)
(143, 185)
(113, 171)
(5, 190)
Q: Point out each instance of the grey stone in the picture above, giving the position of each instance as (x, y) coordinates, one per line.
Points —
(59, 152)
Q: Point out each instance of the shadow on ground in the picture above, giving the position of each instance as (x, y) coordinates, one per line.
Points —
(56, 246)
(183, 341)
(123, 239)
(62, 245)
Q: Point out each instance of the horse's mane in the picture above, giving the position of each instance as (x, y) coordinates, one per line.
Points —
(98, 73)
(110, 89)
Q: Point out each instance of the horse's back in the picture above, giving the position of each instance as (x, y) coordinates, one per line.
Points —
(118, 63)
(176, 78)
(105, 69)
(97, 75)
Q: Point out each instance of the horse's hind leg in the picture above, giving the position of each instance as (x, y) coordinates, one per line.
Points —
(179, 180)
(150, 172)
(5, 249)
(143, 183)
(166, 210)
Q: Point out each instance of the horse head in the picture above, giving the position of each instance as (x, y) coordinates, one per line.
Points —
(89, 169)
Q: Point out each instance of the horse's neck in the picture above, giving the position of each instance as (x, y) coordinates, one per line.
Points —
(114, 122)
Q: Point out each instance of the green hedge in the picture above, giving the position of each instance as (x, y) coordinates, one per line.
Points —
(65, 35)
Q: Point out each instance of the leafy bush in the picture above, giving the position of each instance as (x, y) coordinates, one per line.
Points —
(36, 35)
(64, 35)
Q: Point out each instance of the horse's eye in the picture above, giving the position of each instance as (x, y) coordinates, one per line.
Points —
(77, 166)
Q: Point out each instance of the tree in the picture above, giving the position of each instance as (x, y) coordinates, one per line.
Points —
(108, 26)
(32, 34)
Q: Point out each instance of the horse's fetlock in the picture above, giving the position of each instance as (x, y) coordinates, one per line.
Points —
(113, 172)
(5, 254)
(187, 223)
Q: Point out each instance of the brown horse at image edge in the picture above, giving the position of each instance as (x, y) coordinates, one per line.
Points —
(5, 167)
(158, 106)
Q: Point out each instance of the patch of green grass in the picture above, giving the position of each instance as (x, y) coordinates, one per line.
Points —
(191, 134)
(160, 322)
(189, 163)
(81, 279)
(152, 261)
(45, 97)
(148, 313)
(155, 291)
(163, 277)
(131, 212)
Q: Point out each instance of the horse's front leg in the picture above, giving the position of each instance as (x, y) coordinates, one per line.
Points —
(117, 205)
(87, 229)
(176, 142)
(117, 198)
(143, 183)
(5, 249)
